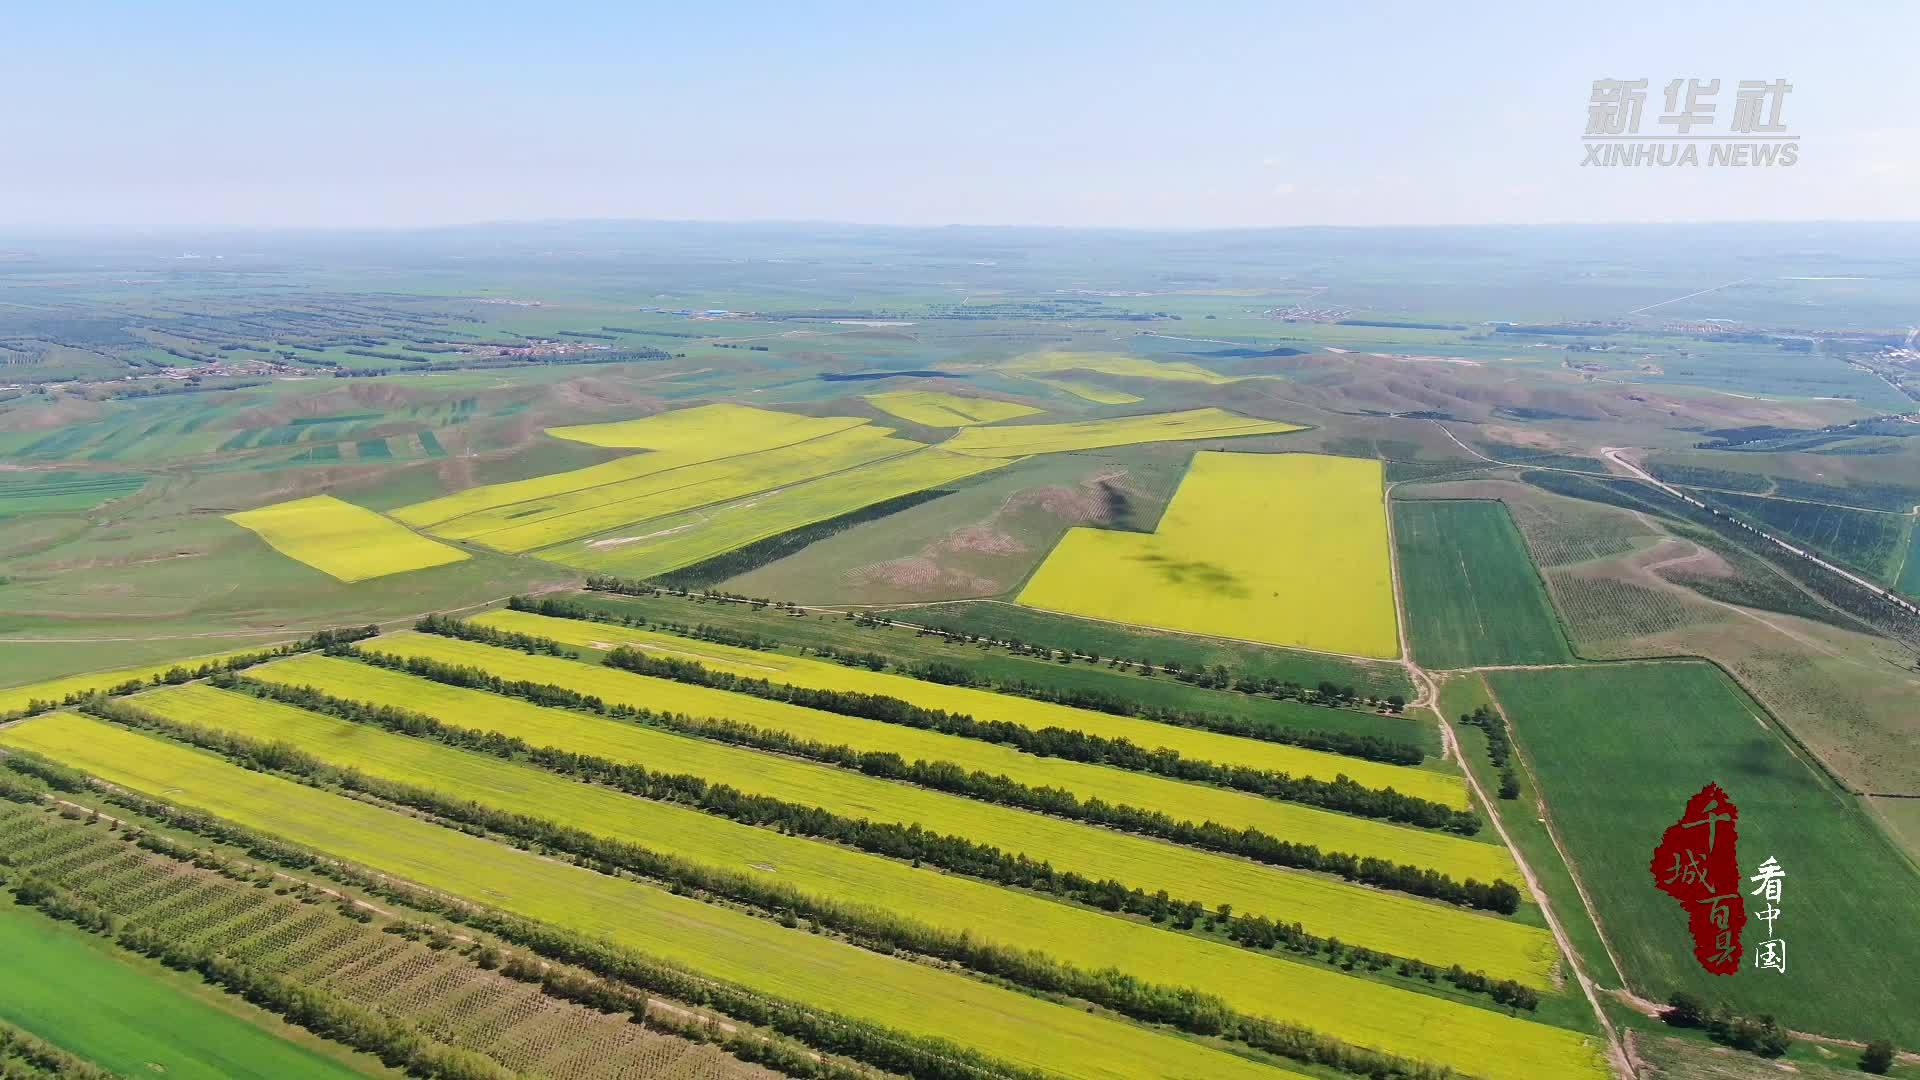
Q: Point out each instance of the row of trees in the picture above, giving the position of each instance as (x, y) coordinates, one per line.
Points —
(180, 673)
(1371, 747)
(941, 776)
(1214, 677)
(1341, 794)
(1499, 747)
(28, 1058)
(951, 853)
(883, 1048)
(323, 1012)
(1189, 1009)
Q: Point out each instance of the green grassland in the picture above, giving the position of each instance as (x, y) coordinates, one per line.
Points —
(1472, 595)
(820, 674)
(1391, 922)
(722, 943)
(1617, 764)
(903, 646)
(131, 1015)
(1257, 983)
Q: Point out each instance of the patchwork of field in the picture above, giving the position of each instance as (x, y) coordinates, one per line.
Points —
(715, 430)
(859, 795)
(675, 439)
(1472, 595)
(344, 541)
(691, 536)
(935, 409)
(1120, 364)
(1087, 391)
(723, 943)
(524, 526)
(15, 698)
(1874, 543)
(820, 674)
(439, 993)
(904, 647)
(1023, 439)
(62, 492)
(1283, 549)
(1619, 748)
(1261, 984)
(1394, 923)
(138, 1019)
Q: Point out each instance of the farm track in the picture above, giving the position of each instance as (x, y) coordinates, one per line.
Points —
(1429, 694)
(1617, 1055)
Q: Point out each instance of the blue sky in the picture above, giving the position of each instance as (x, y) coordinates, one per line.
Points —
(1167, 115)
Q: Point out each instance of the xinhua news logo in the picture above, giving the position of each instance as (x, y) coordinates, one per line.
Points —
(1754, 135)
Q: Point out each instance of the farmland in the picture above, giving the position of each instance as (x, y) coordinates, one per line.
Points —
(141, 1017)
(1874, 543)
(948, 653)
(905, 647)
(1473, 597)
(62, 492)
(344, 541)
(1616, 768)
(866, 797)
(1120, 364)
(1019, 440)
(933, 409)
(679, 540)
(519, 527)
(1233, 546)
(1251, 982)
(1909, 581)
(722, 943)
(1390, 922)
(722, 429)
(438, 993)
(1088, 391)
(674, 439)
(15, 698)
(986, 705)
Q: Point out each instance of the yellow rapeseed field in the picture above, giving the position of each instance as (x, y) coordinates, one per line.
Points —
(348, 542)
(1392, 922)
(986, 705)
(1286, 549)
(1081, 388)
(935, 409)
(723, 430)
(556, 519)
(1024, 439)
(15, 698)
(712, 939)
(675, 439)
(1132, 367)
(677, 540)
(1263, 984)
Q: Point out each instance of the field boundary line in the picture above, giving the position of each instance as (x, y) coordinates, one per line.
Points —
(1622, 1063)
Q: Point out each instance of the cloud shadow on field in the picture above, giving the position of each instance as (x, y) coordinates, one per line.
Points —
(1202, 575)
